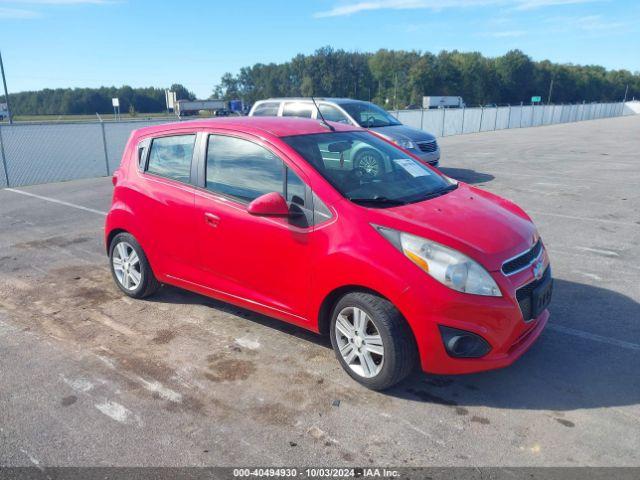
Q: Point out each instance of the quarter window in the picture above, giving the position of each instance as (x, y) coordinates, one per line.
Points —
(143, 147)
(242, 169)
(170, 157)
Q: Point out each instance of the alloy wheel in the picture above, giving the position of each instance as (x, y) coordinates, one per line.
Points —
(369, 163)
(359, 342)
(126, 265)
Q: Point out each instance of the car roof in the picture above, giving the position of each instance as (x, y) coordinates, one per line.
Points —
(276, 126)
(336, 100)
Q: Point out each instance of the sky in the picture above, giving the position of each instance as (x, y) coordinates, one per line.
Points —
(90, 43)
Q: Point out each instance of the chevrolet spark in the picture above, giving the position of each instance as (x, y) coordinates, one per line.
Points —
(401, 266)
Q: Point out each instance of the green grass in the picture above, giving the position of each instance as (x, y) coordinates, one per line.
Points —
(86, 118)
(93, 118)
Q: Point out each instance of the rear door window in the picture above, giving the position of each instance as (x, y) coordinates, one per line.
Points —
(267, 109)
(170, 157)
(297, 109)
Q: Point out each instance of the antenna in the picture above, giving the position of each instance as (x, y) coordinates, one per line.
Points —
(324, 122)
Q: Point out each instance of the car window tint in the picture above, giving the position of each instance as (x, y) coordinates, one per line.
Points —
(170, 157)
(242, 169)
(269, 109)
(367, 170)
(332, 114)
(297, 109)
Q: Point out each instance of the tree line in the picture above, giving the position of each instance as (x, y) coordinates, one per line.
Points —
(89, 101)
(399, 78)
(391, 78)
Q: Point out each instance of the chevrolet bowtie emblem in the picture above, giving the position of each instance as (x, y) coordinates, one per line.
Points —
(538, 269)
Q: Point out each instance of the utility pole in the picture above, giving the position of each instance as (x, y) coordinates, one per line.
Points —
(6, 94)
(395, 94)
(626, 91)
(550, 91)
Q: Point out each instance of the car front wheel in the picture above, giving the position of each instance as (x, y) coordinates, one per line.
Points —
(372, 341)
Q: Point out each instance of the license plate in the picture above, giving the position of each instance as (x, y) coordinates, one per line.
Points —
(541, 297)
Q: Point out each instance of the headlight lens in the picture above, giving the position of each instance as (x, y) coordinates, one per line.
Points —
(446, 265)
(408, 144)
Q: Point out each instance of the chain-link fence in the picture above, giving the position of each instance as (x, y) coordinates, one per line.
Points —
(443, 122)
(50, 152)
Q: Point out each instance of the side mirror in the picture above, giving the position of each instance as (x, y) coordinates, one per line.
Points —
(270, 204)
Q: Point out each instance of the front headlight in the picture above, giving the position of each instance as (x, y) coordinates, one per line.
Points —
(408, 144)
(446, 265)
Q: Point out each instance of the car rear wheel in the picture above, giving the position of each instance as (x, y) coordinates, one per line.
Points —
(130, 267)
(372, 341)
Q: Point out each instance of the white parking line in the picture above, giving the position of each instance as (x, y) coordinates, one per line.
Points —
(586, 219)
(118, 412)
(592, 276)
(33, 460)
(600, 251)
(578, 181)
(55, 200)
(592, 336)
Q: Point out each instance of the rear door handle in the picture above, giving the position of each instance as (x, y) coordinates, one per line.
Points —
(212, 219)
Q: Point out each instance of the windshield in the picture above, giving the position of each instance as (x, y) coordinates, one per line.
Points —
(368, 170)
(368, 115)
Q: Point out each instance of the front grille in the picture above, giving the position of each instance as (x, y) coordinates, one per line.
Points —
(428, 147)
(522, 261)
(524, 295)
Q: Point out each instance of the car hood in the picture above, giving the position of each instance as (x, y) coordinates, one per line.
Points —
(403, 132)
(487, 228)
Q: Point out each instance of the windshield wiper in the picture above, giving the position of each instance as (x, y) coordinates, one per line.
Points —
(437, 193)
(448, 188)
(378, 200)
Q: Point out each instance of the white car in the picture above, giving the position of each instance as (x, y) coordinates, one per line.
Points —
(355, 112)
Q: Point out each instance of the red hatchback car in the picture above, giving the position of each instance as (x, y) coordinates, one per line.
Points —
(398, 265)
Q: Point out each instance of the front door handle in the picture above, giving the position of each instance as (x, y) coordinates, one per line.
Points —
(212, 219)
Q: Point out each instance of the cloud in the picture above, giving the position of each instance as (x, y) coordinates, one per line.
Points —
(355, 7)
(592, 23)
(11, 12)
(17, 13)
(57, 2)
(350, 7)
(507, 34)
(533, 4)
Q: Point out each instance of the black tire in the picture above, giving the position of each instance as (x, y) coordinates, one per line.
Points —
(364, 159)
(148, 283)
(400, 351)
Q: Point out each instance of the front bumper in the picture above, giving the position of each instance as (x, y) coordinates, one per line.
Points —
(432, 158)
(498, 320)
(439, 362)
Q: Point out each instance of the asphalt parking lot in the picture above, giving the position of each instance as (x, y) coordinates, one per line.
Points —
(91, 378)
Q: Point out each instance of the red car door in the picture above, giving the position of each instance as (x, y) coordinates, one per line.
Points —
(257, 260)
(165, 204)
